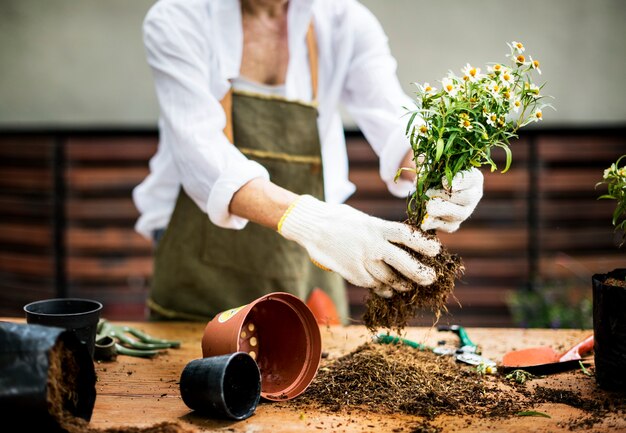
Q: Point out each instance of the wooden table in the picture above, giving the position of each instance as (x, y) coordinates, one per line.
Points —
(142, 392)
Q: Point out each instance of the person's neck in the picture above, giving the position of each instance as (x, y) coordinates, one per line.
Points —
(267, 8)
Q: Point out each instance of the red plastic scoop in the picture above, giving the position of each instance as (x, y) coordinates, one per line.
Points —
(543, 360)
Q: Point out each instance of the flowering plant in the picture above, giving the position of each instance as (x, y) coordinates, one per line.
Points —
(450, 131)
(615, 180)
(455, 128)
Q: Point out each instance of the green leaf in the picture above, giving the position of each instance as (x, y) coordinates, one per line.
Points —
(509, 158)
(450, 141)
(584, 369)
(533, 413)
(411, 119)
(439, 149)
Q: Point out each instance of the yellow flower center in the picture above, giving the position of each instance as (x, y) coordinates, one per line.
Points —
(519, 46)
(423, 129)
(536, 64)
(538, 114)
(466, 123)
(449, 87)
(520, 59)
(472, 72)
(428, 88)
(497, 68)
(506, 77)
(493, 117)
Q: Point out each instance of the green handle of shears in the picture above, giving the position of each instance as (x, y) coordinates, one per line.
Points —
(461, 332)
(388, 339)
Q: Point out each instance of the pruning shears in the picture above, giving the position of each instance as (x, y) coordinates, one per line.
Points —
(113, 340)
(466, 352)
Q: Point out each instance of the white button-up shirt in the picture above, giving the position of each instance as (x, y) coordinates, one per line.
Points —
(194, 48)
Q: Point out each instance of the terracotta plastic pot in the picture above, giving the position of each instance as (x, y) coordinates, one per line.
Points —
(278, 331)
(609, 328)
(79, 316)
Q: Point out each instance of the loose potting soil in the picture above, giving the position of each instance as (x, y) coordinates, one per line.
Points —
(62, 398)
(395, 379)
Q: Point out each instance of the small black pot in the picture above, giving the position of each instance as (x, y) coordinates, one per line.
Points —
(609, 327)
(25, 366)
(79, 316)
(224, 386)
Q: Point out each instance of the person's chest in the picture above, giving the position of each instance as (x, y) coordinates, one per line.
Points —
(265, 52)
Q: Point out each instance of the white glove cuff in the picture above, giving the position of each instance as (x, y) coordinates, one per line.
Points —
(301, 219)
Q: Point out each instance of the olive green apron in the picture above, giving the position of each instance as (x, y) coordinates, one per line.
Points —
(201, 269)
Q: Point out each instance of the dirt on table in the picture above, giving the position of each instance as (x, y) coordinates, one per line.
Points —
(397, 379)
(63, 398)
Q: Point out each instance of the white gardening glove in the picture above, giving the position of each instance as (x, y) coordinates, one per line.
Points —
(362, 249)
(447, 208)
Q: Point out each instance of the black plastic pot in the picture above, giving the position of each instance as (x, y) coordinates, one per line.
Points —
(79, 316)
(609, 327)
(224, 386)
(26, 365)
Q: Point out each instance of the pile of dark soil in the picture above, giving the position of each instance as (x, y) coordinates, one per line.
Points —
(394, 379)
(395, 313)
(399, 379)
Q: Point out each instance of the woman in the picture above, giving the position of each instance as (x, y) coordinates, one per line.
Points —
(264, 214)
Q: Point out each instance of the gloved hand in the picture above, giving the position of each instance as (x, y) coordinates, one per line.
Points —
(447, 208)
(362, 249)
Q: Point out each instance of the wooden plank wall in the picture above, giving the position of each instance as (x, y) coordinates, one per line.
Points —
(28, 270)
(541, 220)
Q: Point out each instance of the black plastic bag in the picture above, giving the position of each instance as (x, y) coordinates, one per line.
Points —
(609, 328)
(45, 374)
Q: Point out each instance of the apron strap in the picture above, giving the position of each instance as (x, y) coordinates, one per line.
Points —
(227, 100)
(311, 43)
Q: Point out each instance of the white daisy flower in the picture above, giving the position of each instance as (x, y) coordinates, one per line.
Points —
(449, 86)
(520, 60)
(506, 77)
(495, 89)
(423, 130)
(534, 64)
(496, 69)
(491, 118)
(518, 46)
(464, 122)
(471, 73)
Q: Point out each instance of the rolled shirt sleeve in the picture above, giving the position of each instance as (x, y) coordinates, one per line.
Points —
(375, 99)
(210, 168)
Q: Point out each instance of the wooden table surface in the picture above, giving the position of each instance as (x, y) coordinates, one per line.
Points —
(141, 392)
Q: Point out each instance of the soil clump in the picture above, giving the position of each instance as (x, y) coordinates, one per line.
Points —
(395, 313)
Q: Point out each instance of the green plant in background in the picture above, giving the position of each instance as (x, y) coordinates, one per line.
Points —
(457, 127)
(615, 180)
(552, 305)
